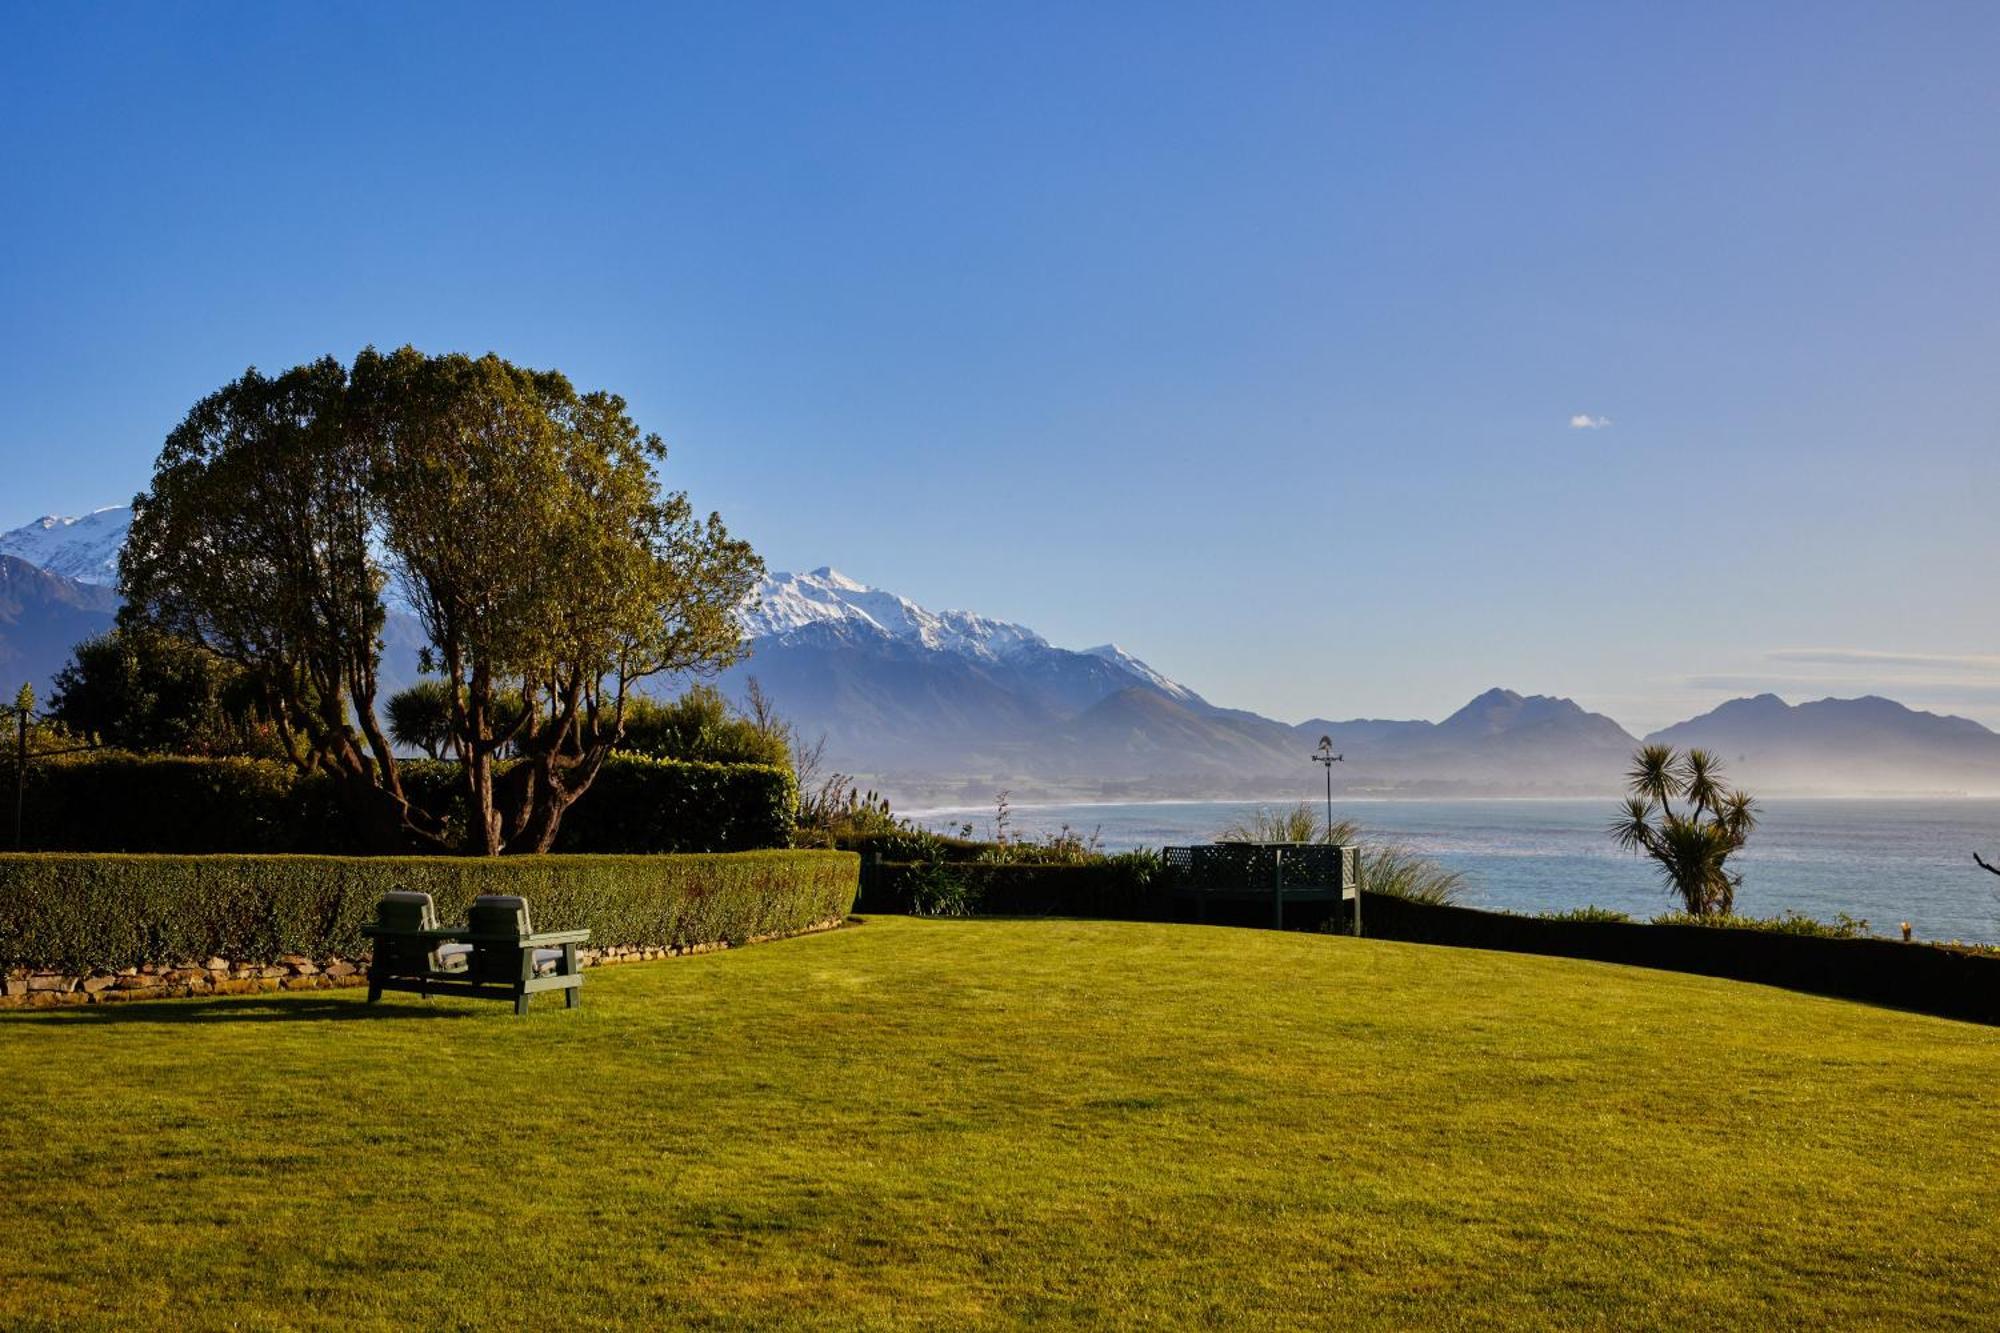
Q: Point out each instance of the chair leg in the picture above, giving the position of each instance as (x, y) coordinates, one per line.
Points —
(374, 992)
(572, 995)
(520, 1003)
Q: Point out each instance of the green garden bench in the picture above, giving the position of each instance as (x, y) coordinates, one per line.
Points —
(495, 955)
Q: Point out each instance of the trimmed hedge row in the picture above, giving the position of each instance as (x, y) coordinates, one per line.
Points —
(641, 804)
(1930, 979)
(77, 913)
(1117, 888)
(147, 803)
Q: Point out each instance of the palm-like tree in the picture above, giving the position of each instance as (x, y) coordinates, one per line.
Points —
(1691, 843)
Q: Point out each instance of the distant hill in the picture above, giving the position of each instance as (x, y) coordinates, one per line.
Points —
(1500, 739)
(43, 616)
(1867, 744)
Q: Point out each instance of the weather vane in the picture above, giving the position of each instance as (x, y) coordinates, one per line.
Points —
(1325, 757)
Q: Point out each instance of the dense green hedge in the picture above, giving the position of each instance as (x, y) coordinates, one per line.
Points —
(72, 913)
(1118, 887)
(639, 804)
(142, 803)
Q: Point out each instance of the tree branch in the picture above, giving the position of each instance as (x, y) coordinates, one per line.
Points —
(1989, 869)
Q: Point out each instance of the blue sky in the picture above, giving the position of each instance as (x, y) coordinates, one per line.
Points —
(1248, 336)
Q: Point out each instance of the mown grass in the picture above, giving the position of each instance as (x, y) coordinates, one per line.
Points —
(991, 1122)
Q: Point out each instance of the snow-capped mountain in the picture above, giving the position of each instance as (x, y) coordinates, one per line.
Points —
(896, 685)
(84, 548)
(787, 602)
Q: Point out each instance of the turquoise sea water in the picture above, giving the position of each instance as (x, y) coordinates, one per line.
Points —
(1884, 860)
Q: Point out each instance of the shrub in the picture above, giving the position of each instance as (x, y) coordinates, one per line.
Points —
(1401, 873)
(909, 843)
(1842, 927)
(700, 725)
(1591, 913)
(75, 913)
(138, 689)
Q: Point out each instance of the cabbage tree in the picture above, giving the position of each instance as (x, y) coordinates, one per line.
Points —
(1690, 843)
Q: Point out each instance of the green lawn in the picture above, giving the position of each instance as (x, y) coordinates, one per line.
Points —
(986, 1122)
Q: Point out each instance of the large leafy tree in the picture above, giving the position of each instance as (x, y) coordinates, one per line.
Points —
(523, 524)
(254, 542)
(527, 530)
(1690, 843)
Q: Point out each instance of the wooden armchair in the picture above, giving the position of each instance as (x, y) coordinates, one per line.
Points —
(496, 955)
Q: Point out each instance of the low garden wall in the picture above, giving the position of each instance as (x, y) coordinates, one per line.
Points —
(83, 928)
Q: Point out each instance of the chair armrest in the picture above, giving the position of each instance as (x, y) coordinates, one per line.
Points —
(540, 941)
(442, 933)
(548, 937)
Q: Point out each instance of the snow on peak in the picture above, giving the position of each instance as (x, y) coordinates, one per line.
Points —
(833, 578)
(787, 602)
(84, 548)
(1112, 653)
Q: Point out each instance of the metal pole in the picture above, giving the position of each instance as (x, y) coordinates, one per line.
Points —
(1329, 801)
(1278, 890)
(1357, 892)
(20, 770)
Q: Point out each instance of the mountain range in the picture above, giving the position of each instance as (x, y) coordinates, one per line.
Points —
(946, 705)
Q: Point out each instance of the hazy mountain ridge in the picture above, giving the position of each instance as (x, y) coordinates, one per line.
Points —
(1870, 743)
(42, 616)
(921, 697)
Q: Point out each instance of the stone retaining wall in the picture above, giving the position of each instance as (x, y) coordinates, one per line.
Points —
(25, 988)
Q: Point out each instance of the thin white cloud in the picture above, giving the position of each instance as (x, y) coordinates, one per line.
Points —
(1976, 663)
(1800, 687)
(1585, 421)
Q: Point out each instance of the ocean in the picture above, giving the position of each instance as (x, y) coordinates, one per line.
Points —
(1885, 861)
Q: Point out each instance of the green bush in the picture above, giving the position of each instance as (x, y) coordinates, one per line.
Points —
(1589, 913)
(911, 844)
(111, 802)
(74, 913)
(700, 725)
(1842, 927)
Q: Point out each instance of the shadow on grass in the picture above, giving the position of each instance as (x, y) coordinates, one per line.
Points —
(261, 1009)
